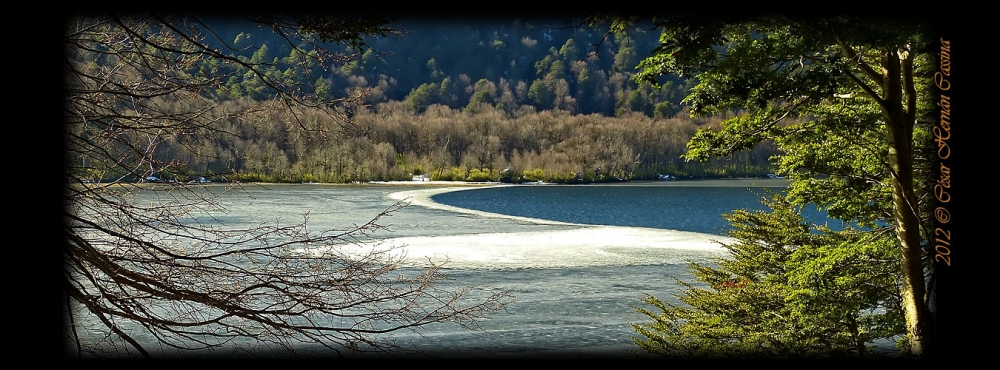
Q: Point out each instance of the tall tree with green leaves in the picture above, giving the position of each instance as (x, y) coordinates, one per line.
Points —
(842, 98)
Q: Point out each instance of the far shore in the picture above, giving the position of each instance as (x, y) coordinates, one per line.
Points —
(730, 182)
(725, 182)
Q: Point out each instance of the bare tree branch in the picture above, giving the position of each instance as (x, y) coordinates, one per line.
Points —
(152, 271)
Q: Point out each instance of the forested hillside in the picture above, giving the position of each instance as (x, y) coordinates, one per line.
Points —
(456, 99)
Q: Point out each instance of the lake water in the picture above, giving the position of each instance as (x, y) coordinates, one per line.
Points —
(578, 259)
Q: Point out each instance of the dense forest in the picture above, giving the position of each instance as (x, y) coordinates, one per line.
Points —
(508, 100)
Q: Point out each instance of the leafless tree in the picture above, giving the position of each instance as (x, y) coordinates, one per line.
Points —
(159, 281)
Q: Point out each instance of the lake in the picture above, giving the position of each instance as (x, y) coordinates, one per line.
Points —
(578, 258)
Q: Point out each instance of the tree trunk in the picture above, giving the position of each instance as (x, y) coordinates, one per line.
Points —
(899, 127)
(908, 234)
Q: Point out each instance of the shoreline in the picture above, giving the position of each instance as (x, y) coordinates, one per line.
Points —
(758, 182)
(730, 182)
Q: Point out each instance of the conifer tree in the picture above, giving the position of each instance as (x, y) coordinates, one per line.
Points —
(845, 99)
(787, 288)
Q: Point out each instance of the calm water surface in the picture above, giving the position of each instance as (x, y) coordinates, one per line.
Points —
(578, 259)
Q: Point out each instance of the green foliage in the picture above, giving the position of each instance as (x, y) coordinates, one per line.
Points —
(484, 175)
(323, 88)
(540, 94)
(435, 74)
(500, 52)
(569, 51)
(423, 96)
(465, 174)
(242, 40)
(786, 289)
(791, 80)
(351, 68)
(564, 177)
(484, 92)
(837, 97)
(665, 110)
(533, 175)
(262, 55)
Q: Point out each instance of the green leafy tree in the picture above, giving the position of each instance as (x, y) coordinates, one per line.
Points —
(262, 55)
(569, 51)
(323, 88)
(434, 73)
(540, 94)
(351, 68)
(423, 96)
(787, 288)
(841, 97)
(242, 40)
(484, 92)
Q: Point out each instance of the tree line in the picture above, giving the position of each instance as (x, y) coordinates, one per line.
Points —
(552, 63)
(549, 103)
(392, 143)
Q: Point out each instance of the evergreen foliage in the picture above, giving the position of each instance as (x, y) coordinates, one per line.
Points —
(844, 100)
(786, 289)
